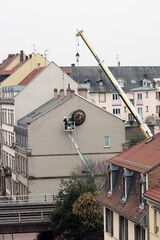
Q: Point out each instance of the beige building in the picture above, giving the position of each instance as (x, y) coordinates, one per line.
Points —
(27, 65)
(153, 198)
(45, 153)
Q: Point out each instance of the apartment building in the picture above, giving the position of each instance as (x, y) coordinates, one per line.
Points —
(45, 153)
(130, 174)
(141, 84)
(34, 90)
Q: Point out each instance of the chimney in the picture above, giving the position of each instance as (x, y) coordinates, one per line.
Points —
(61, 93)
(55, 93)
(72, 93)
(21, 56)
(30, 55)
(73, 65)
(119, 64)
(68, 91)
(26, 58)
(82, 92)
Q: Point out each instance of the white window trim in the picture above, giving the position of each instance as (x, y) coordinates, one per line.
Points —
(108, 146)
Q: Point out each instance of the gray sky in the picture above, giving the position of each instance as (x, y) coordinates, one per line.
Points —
(129, 28)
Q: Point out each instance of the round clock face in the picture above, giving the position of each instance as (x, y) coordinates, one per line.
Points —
(79, 117)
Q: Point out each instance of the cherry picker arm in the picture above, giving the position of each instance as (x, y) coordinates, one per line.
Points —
(144, 128)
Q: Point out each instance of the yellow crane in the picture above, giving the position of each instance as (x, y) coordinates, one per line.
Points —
(143, 126)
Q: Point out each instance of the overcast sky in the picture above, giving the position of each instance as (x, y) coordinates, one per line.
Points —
(128, 28)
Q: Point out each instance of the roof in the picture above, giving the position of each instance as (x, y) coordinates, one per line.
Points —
(153, 194)
(142, 157)
(7, 61)
(37, 113)
(132, 76)
(30, 76)
(129, 209)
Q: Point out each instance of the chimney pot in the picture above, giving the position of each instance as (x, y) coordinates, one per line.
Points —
(21, 56)
(55, 93)
(61, 92)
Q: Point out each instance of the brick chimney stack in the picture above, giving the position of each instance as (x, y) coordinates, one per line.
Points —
(82, 92)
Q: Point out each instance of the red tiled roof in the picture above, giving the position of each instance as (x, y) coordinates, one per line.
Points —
(67, 70)
(129, 209)
(30, 76)
(142, 157)
(153, 194)
(7, 61)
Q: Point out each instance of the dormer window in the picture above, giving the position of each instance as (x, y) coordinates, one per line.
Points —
(87, 83)
(142, 189)
(127, 179)
(100, 83)
(112, 173)
(121, 82)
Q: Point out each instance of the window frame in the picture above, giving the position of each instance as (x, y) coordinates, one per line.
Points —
(100, 97)
(109, 142)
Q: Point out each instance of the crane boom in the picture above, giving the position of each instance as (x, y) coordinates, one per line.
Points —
(143, 126)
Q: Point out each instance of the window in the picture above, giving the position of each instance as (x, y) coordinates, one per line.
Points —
(142, 189)
(158, 110)
(139, 233)
(106, 141)
(115, 96)
(127, 180)
(146, 94)
(123, 226)
(139, 95)
(156, 222)
(116, 111)
(100, 83)
(146, 108)
(140, 110)
(112, 173)
(109, 221)
(102, 97)
(158, 95)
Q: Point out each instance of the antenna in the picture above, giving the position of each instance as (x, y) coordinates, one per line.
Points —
(117, 60)
(34, 48)
(77, 57)
(46, 55)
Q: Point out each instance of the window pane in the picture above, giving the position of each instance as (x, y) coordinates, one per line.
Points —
(106, 141)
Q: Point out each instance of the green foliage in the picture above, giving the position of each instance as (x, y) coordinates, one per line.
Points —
(69, 224)
(88, 210)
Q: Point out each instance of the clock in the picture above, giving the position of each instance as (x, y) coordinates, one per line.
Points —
(78, 116)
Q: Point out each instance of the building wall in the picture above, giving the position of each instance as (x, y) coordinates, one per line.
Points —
(148, 101)
(40, 90)
(53, 154)
(152, 234)
(24, 70)
(131, 232)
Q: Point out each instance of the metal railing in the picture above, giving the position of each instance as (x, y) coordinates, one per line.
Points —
(27, 199)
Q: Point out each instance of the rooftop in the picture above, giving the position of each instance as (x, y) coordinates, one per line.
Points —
(48, 106)
(132, 76)
(153, 194)
(129, 209)
(142, 157)
(30, 76)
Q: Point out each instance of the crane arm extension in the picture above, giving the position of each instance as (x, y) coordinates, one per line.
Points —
(81, 155)
(144, 128)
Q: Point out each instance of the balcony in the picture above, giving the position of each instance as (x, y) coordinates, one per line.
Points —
(7, 171)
